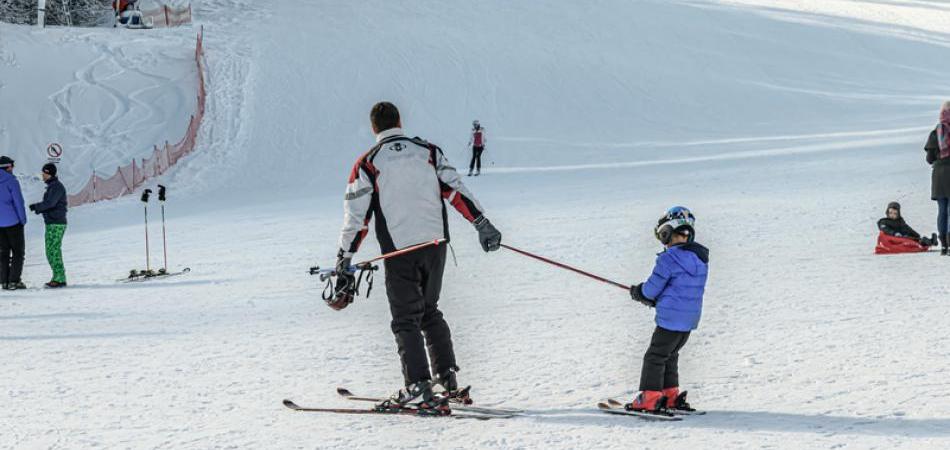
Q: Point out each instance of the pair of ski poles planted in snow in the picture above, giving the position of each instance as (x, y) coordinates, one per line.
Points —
(368, 267)
(148, 260)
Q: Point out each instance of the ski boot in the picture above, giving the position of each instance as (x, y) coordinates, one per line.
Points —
(14, 285)
(648, 401)
(450, 388)
(676, 400)
(55, 285)
(478, 172)
(944, 245)
(417, 396)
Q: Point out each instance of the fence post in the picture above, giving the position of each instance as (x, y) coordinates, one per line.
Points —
(41, 13)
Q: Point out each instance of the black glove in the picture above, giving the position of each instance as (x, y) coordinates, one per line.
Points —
(636, 293)
(33, 207)
(343, 264)
(488, 235)
(345, 287)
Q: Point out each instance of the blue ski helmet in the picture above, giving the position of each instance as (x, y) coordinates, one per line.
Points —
(678, 219)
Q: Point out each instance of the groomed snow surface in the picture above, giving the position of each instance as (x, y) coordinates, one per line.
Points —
(785, 126)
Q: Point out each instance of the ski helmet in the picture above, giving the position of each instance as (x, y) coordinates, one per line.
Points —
(678, 219)
(476, 125)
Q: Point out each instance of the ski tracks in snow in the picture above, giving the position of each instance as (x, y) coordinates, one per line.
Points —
(142, 94)
(229, 72)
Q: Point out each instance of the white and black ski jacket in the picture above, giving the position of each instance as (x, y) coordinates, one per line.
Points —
(402, 181)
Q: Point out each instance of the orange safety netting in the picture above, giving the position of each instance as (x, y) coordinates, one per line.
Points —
(127, 178)
(167, 16)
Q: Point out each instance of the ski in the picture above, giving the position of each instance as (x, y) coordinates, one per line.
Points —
(139, 276)
(679, 412)
(407, 411)
(456, 405)
(621, 410)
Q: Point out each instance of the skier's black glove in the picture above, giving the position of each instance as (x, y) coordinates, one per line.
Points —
(636, 293)
(488, 235)
(345, 287)
(343, 264)
(33, 207)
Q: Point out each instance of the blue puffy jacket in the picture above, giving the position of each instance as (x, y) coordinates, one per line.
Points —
(677, 284)
(12, 211)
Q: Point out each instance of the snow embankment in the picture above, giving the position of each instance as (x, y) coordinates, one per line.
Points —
(106, 95)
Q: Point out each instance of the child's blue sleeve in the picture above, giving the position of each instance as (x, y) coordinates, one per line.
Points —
(658, 279)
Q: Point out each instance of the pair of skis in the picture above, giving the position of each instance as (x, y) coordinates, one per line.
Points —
(458, 410)
(136, 276)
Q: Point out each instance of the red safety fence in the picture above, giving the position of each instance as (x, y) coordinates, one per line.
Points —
(167, 16)
(129, 177)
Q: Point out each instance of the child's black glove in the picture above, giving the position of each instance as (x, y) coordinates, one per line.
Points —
(636, 293)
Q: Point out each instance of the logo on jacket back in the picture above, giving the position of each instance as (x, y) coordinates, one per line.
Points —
(397, 147)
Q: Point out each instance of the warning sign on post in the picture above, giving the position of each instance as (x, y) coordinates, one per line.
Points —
(54, 153)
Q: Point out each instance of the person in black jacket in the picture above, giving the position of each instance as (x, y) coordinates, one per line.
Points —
(894, 225)
(938, 156)
(53, 208)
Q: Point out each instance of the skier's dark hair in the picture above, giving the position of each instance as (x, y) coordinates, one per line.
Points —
(384, 116)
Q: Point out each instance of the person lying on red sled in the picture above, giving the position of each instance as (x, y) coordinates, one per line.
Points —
(898, 237)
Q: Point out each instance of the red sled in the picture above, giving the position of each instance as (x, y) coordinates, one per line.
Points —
(889, 245)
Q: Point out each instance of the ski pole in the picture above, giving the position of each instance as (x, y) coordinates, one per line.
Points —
(409, 249)
(567, 267)
(145, 194)
(368, 263)
(161, 199)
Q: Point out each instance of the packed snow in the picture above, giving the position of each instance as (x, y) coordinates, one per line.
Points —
(785, 126)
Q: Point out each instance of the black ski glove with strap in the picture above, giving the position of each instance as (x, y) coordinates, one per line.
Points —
(345, 287)
(636, 293)
(488, 235)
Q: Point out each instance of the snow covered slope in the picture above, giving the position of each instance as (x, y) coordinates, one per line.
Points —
(105, 95)
(786, 130)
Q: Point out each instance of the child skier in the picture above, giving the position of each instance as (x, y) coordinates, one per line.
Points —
(898, 237)
(675, 289)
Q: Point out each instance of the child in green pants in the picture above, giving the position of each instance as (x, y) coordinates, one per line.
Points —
(53, 209)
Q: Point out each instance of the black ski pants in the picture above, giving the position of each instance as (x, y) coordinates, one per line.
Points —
(661, 362)
(413, 283)
(12, 250)
(476, 163)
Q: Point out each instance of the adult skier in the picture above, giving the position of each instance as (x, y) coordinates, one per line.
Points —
(477, 144)
(403, 182)
(675, 289)
(53, 208)
(12, 221)
(938, 156)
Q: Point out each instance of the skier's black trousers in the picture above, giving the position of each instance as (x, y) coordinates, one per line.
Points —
(12, 250)
(476, 163)
(413, 282)
(661, 362)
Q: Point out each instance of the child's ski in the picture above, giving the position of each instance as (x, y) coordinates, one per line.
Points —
(647, 415)
(406, 411)
(679, 412)
(455, 405)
